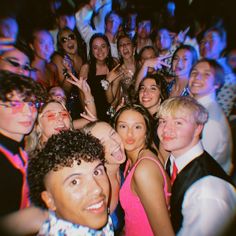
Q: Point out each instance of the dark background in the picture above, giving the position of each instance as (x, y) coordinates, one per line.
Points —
(36, 13)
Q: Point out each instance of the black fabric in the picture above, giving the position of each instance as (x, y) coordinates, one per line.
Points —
(168, 164)
(11, 179)
(200, 167)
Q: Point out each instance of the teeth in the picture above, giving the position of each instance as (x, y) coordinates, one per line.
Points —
(95, 206)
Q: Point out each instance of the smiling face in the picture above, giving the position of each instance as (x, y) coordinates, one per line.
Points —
(53, 119)
(202, 80)
(16, 117)
(100, 49)
(149, 95)
(79, 194)
(68, 42)
(182, 63)
(114, 148)
(178, 133)
(132, 129)
(16, 62)
(43, 45)
(126, 48)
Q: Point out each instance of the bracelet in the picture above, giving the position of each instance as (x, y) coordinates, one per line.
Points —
(105, 84)
(91, 100)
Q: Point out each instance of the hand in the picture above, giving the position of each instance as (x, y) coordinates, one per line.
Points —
(182, 35)
(114, 74)
(157, 62)
(88, 115)
(80, 83)
(67, 63)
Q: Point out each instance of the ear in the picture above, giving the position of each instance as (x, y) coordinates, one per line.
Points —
(48, 200)
(198, 131)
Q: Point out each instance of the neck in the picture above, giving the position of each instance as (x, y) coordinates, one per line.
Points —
(133, 155)
(152, 110)
(39, 63)
(15, 137)
(112, 169)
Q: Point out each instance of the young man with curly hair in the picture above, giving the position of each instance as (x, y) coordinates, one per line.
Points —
(68, 177)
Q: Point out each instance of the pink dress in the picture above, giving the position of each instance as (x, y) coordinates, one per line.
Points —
(136, 221)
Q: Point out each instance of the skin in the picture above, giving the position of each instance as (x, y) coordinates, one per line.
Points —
(15, 122)
(211, 45)
(132, 129)
(113, 24)
(100, 49)
(79, 194)
(43, 45)
(178, 133)
(202, 80)
(16, 56)
(149, 95)
(182, 63)
(163, 40)
(48, 125)
(114, 155)
(144, 29)
(58, 94)
(71, 45)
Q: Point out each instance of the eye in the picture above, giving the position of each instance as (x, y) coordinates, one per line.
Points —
(121, 126)
(161, 122)
(99, 171)
(178, 123)
(138, 127)
(64, 114)
(51, 115)
(74, 182)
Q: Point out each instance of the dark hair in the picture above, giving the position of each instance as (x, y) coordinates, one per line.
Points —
(60, 151)
(160, 82)
(59, 45)
(144, 49)
(217, 68)
(146, 116)
(27, 87)
(92, 60)
(189, 48)
(113, 12)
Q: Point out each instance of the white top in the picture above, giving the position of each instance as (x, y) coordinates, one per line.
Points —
(83, 19)
(216, 136)
(209, 204)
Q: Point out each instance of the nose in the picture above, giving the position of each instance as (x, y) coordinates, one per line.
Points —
(95, 186)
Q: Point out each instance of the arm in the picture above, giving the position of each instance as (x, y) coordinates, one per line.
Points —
(151, 195)
(155, 63)
(210, 203)
(24, 222)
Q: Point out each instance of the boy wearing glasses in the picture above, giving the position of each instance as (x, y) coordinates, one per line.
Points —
(19, 97)
(203, 199)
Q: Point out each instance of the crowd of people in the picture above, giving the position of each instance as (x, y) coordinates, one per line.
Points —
(112, 124)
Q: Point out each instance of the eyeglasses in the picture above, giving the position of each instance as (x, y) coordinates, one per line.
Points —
(17, 64)
(19, 105)
(65, 39)
(54, 115)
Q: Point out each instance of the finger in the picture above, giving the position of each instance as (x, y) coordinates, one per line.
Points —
(165, 56)
(165, 64)
(186, 30)
(116, 67)
(88, 111)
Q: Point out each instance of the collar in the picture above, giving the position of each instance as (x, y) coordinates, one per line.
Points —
(10, 144)
(207, 98)
(187, 157)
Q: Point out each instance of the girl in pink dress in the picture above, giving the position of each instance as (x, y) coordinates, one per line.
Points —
(144, 196)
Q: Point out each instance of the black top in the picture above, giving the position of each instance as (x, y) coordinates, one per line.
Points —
(99, 95)
(11, 179)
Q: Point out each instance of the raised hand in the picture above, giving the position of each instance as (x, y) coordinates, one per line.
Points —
(88, 115)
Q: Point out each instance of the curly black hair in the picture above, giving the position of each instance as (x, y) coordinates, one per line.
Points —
(27, 87)
(60, 151)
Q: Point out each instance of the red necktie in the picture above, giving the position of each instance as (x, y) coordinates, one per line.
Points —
(174, 174)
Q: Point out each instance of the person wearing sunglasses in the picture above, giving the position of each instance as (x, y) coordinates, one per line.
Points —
(16, 60)
(19, 100)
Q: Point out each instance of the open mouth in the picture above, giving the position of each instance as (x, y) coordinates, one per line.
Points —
(97, 207)
(117, 154)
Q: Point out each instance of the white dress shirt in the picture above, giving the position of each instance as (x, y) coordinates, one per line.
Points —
(216, 135)
(209, 204)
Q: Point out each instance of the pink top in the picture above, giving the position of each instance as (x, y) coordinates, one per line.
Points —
(136, 221)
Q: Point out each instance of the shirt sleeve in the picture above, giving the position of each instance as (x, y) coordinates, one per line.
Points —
(208, 206)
